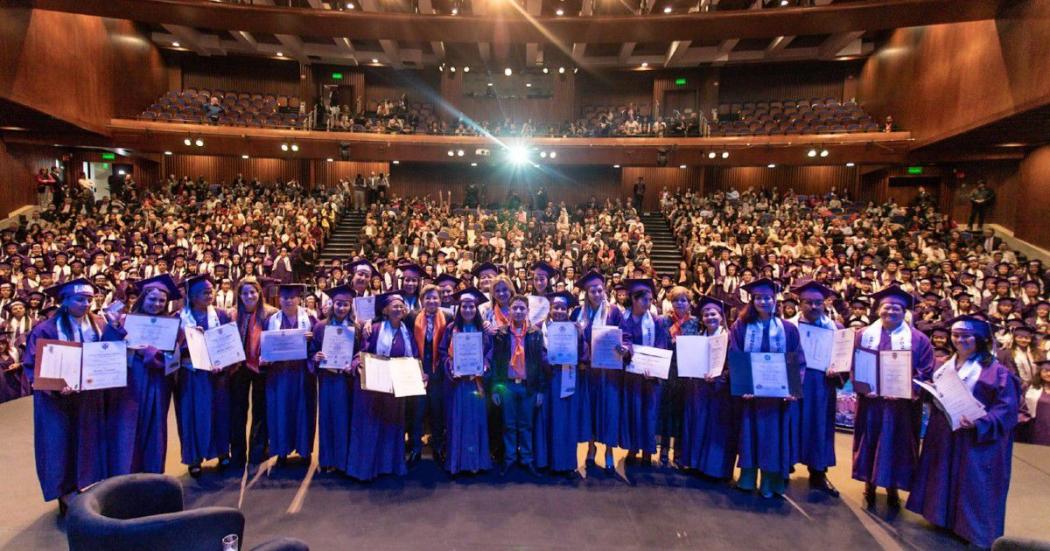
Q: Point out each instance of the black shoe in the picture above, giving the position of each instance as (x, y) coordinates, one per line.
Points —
(869, 496)
(413, 458)
(306, 459)
(282, 460)
(195, 470)
(532, 470)
(893, 499)
(820, 482)
(224, 462)
(505, 469)
(63, 506)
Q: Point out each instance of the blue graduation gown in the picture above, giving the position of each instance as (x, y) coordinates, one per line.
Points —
(377, 421)
(137, 415)
(641, 396)
(886, 432)
(202, 406)
(963, 476)
(69, 432)
(603, 389)
(709, 431)
(466, 415)
(333, 410)
(291, 401)
(819, 395)
(769, 427)
(561, 416)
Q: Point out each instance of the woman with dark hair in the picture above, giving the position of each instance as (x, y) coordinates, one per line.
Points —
(964, 474)
(1035, 409)
(564, 405)
(708, 441)
(466, 444)
(202, 393)
(291, 386)
(769, 427)
(428, 327)
(137, 415)
(642, 392)
(247, 383)
(333, 385)
(70, 451)
(13, 380)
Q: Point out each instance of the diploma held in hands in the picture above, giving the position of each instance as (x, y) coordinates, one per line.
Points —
(827, 349)
(215, 348)
(80, 366)
(562, 343)
(764, 374)
(364, 309)
(604, 341)
(650, 361)
(398, 376)
(953, 398)
(539, 308)
(700, 357)
(468, 357)
(338, 347)
(156, 331)
(283, 345)
(895, 374)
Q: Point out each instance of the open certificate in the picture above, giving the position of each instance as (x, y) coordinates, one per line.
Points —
(364, 309)
(764, 374)
(563, 343)
(215, 348)
(650, 361)
(604, 341)
(700, 357)
(468, 354)
(865, 371)
(283, 345)
(338, 347)
(539, 307)
(953, 398)
(104, 365)
(895, 374)
(80, 366)
(397, 376)
(841, 351)
(156, 331)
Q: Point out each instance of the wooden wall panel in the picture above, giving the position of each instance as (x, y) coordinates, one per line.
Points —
(613, 89)
(739, 83)
(225, 169)
(1032, 223)
(554, 110)
(573, 185)
(1002, 176)
(939, 80)
(139, 73)
(239, 74)
(704, 82)
(419, 86)
(18, 167)
(803, 180)
(657, 179)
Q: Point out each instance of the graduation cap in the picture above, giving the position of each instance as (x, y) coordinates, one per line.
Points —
(962, 295)
(470, 293)
(339, 290)
(189, 282)
(789, 300)
(544, 267)
(411, 267)
(383, 300)
(447, 278)
(354, 266)
(706, 300)
(593, 276)
(933, 296)
(812, 285)
(940, 329)
(894, 291)
(484, 267)
(163, 282)
(15, 301)
(974, 323)
(1022, 328)
(77, 286)
(293, 289)
(762, 282)
(569, 298)
(634, 285)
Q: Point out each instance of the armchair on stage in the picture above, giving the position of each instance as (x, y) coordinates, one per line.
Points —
(145, 511)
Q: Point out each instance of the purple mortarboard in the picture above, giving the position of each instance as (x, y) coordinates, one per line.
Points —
(470, 293)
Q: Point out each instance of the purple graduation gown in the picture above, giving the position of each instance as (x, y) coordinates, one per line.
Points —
(769, 427)
(561, 425)
(202, 406)
(886, 432)
(14, 383)
(963, 476)
(137, 415)
(709, 431)
(377, 421)
(291, 401)
(641, 396)
(333, 410)
(69, 432)
(466, 414)
(602, 388)
(819, 395)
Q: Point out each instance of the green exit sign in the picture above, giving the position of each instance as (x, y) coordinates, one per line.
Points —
(914, 170)
(109, 157)
(679, 82)
(337, 76)
(105, 166)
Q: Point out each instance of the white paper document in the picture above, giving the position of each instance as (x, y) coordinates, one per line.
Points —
(215, 348)
(866, 368)
(105, 365)
(338, 347)
(953, 398)
(604, 341)
(650, 361)
(364, 309)
(539, 308)
(156, 331)
(701, 356)
(769, 375)
(60, 361)
(283, 345)
(563, 343)
(468, 354)
(895, 374)
(406, 377)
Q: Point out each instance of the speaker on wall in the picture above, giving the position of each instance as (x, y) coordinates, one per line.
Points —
(344, 151)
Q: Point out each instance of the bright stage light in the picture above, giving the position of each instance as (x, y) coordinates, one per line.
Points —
(518, 154)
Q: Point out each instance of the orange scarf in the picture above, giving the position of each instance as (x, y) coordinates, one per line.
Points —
(517, 359)
(420, 330)
(501, 318)
(676, 328)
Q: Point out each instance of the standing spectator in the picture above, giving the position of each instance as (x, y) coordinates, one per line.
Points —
(981, 199)
(639, 193)
(116, 185)
(359, 193)
(888, 126)
(85, 194)
(58, 188)
(373, 188)
(383, 187)
(44, 183)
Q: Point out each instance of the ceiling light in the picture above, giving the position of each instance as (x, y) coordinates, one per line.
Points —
(559, 12)
(473, 164)
(490, 84)
(575, 70)
(441, 68)
(543, 154)
(553, 154)
(455, 11)
(667, 9)
(199, 142)
(349, 5)
(466, 69)
(811, 153)
(850, 164)
(824, 153)
(452, 69)
(518, 155)
(712, 155)
(546, 70)
(783, 2)
(330, 160)
(176, 44)
(397, 162)
(616, 166)
(295, 147)
(374, 60)
(280, 54)
(561, 70)
(645, 64)
(284, 147)
(681, 166)
(167, 152)
(528, 85)
(508, 71)
(460, 153)
(244, 156)
(771, 165)
(187, 141)
(451, 153)
(725, 154)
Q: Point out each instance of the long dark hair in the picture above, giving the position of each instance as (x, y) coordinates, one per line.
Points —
(460, 323)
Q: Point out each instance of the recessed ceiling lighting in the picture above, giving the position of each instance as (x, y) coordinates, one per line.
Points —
(681, 166)
(546, 70)
(473, 164)
(375, 60)
(561, 70)
(528, 85)
(543, 154)
(452, 69)
(824, 153)
(176, 44)
(167, 153)
(199, 142)
(645, 64)
(244, 156)
(455, 11)
(811, 153)
(451, 153)
(397, 162)
(850, 164)
(554, 154)
(771, 165)
(460, 153)
(490, 84)
(1012, 144)
(508, 71)
(466, 69)
(284, 147)
(280, 54)
(725, 154)
(712, 155)
(187, 141)
(616, 166)
(295, 147)
(667, 9)
(350, 5)
(559, 12)
(783, 2)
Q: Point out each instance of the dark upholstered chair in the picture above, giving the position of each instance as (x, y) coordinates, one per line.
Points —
(1007, 543)
(145, 511)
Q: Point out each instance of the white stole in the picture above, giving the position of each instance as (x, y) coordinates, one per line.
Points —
(777, 336)
(1031, 400)
(969, 372)
(386, 339)
(187, 317)
(900, 338)
(302, 320)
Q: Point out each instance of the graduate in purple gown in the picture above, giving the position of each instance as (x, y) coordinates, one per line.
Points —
(964, 475)
(709, 431)
(377, 421)
(542, 274)
(602, 388)
(202, 395)
(886, 430)
(291, 387)
(563, 404)
(68, 426)
(334, 382)
(466, 418)
(819, 391)
(1035, 408)
(137, 415)
(428, 327)
(13, 380)
(769, 427)
(641, 393)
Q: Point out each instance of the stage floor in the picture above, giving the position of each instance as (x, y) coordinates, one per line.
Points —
(660, 509)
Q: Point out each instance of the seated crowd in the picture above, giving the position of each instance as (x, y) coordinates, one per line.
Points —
(761, 267)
